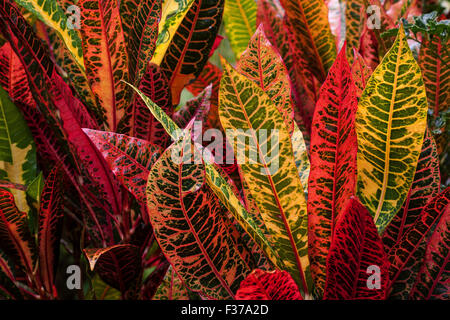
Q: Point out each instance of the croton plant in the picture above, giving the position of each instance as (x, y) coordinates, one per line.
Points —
(224, 149)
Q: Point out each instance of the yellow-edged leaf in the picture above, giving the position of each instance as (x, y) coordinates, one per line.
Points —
(390, 125)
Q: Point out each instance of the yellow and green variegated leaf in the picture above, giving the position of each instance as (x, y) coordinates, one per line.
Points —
(262, 64)
(49, 12)
(390, 126)
(218, 184)
(17, 150)
(172, 14)
(309, 21)
(239, 17)
(354, 23)
(267, 163)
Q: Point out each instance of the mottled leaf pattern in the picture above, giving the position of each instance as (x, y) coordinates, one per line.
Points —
(261, 63)
(425, 187)
(179, 200)
(138, 121)
(140, 20)
(360, 72)
(49, 12)
(50, 226)
(240, 21)
(272, 176)
(356, 246)
(191, 44)
(130, 159)
(433, 280)
(309, 20)
(15, 237)
(332, 178)
(172, 288)
(390, 125)
(268, 285)
(173, 12)
(354, 23)
(105, 56)
(407, 254)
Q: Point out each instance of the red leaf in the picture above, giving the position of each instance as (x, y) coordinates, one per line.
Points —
(425, 187)
(406, 256)
(15, 238)
(356, 246)
(360, 72)
(138, 121)
(268, 285)
(433, 280)
(13, 78)
(332, 178)
(130, 159)
(120, 266)
(50, 226)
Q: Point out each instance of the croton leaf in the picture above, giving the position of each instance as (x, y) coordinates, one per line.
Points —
(210, 74)
(194, 108)
(8, 290)
(119, 266)
(360, 72)
(173, 12)
(172, 288)
(240, 23)
(246, 110)
(130, 159)
(278, 32)
(219, 185)
(425, 186)
(50, 226)
(434, 60)
(17, 149)
(49, 12)
(105, 56)
(140, 20)
(309, 20)
(332, 177)
(268, 285)
(432, 282)
(52, 93)
(138, 121)
(191, 44)
(407, 254)
(356, 247)
(354, 23)
(368, 47)
(179, 200)
(261, 63)
(390, 125)
(13, 77)
(15, 238)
